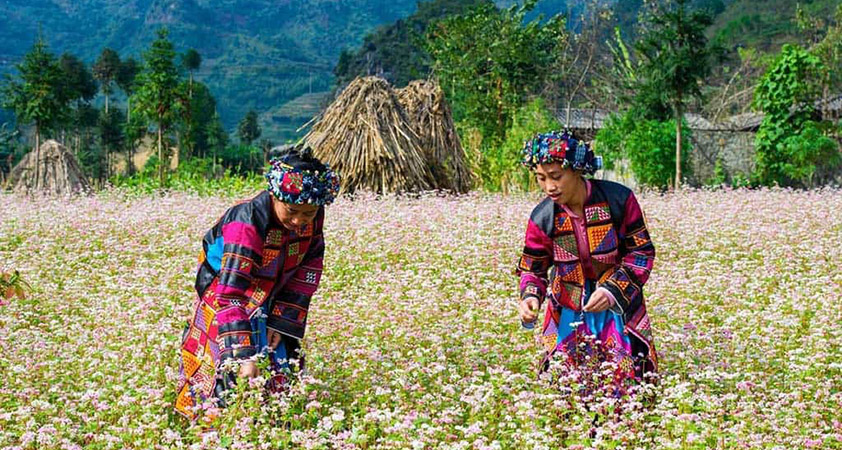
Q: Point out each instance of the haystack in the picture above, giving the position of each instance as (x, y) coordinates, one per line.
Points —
(432, 120)
(367, 138)
(60, 173)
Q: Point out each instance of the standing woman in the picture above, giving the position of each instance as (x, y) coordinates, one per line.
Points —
(259, 266)
(591, 237)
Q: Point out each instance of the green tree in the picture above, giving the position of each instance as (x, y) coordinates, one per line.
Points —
(489, 61)
(647, 144)
(126, 77)
(79, 87)
(37, 95)
(105, 69)
(786, 95)
(197, 114)
(191, 60)
(78, 82)
(249, 129)
(111, 135)
(157, 96)
(217, 137)
(676, 59)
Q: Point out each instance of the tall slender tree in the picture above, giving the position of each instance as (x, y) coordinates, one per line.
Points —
(249, 129)
(79, 87)
(191, 60)
(217, 137)
(126, 77)
(36, 95)
(157, 99)
(676, 60)
(105, 71)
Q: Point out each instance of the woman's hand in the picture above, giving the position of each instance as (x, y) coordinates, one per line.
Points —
(248, 369)
(274, 339)
(528, 309)
(599, 301)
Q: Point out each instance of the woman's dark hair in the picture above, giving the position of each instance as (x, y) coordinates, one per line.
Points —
(300, 156)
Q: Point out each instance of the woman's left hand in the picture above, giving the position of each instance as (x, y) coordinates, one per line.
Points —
(599, 301)
(274, 339)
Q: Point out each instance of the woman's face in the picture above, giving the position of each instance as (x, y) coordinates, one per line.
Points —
(560, 184)
(294, 217)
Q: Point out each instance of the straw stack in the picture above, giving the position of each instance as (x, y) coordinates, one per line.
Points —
(432, 120)
(366, 137)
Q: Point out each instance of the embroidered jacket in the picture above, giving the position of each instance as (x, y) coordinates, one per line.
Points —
(248, 258)
(621, 257)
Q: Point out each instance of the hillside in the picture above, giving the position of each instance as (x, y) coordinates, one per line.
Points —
(263, 54)
(256, 53)
(765, 24)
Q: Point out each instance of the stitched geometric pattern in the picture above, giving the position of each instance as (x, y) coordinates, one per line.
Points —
(530, 289)
(598, 213)
(641, 261)
(574, 293)
(622, 284)
(306, 231)
(606, 275)
(565, 249)
(640, 238)
(530, 264)
(191, 363)
(275, 237)
(568, 295)
(310, 277)
(258, 295)
(563, 223)
(602, 238)
(270, 255)
(293, 249)
(571, 273)
(271, 263)
(200, 321)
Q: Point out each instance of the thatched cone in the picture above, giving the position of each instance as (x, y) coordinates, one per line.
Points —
(60, 173)
(366, 137)
(432, 120)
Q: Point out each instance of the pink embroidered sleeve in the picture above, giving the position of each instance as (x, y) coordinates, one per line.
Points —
(637, 255)
(242, 252)
(534, 263)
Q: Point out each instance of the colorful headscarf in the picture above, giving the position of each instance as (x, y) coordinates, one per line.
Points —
(296, 177)
(561, 148)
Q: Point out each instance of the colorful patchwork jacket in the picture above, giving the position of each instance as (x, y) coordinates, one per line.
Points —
(248, 258)
(621, 258)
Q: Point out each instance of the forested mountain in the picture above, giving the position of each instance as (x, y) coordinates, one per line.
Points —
(257, 54)
(277, 56)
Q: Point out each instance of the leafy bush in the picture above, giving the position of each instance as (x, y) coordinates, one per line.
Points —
(242, 159)
(786, 93)
(648, 145)
(197, 175)
(808, 152)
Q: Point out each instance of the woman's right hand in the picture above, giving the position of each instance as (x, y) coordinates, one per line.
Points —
(528, 309)
(248, 369)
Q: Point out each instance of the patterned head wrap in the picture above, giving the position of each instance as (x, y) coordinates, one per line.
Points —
(297, 177)
(561, 148)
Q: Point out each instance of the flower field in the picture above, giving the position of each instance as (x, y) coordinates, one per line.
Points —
(413, 340)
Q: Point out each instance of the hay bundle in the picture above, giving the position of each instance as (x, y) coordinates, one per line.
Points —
(60, 173)
(432, 120)
(366, 137)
